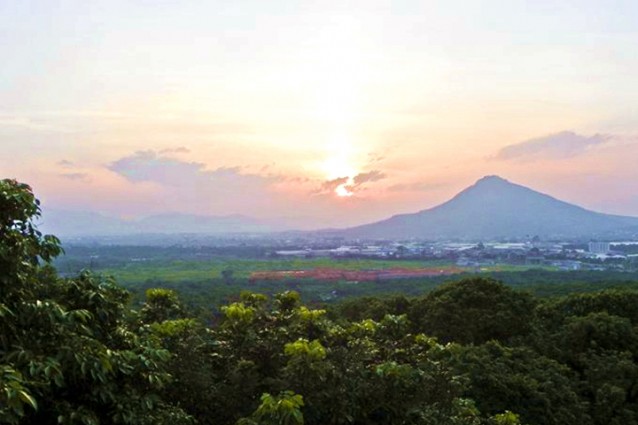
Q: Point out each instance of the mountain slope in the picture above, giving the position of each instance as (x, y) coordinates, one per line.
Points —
(495, 208)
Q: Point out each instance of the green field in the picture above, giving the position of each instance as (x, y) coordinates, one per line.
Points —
(207, 277)
(176, 271)
(190, 271)
(202, 285)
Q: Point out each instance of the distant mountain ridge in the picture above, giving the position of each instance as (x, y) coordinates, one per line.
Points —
(496, 208)
(74, 223)
(492, 208)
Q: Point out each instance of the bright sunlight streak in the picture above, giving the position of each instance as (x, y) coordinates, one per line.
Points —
(339, 161)
(338, 74)
(339, 164)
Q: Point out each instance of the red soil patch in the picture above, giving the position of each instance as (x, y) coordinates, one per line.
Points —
(354, 275)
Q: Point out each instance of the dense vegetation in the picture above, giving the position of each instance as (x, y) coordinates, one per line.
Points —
(472, 351)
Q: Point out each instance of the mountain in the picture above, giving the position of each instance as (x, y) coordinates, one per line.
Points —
(84, 223)
(495, 208)
(79, 223)
(188, 223)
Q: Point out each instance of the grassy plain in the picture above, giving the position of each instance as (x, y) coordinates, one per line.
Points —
(182, 271)
(200, 279)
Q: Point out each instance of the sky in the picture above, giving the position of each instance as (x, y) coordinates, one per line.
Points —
(321, 113)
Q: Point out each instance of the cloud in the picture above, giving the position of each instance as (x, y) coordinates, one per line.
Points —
(331, 185)
(65, 163)
(369, 177)
(75, 176)
(351, 184)
(182, 183)
(149, 166)
(561, 145)
(375, 157)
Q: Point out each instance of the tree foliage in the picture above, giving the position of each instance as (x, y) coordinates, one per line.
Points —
(67, 354)
(474, 311)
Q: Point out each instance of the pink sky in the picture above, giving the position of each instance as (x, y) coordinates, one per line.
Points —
(276, 112)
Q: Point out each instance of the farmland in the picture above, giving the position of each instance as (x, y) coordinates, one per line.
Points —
(254, 270)
(207, 278)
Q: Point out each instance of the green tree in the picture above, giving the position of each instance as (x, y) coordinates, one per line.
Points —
(66, 352)
(473, 311)
(161, 304)
(602, 350)
(539, 389)
(284, 409)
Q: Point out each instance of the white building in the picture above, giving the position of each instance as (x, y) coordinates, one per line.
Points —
(599, 247)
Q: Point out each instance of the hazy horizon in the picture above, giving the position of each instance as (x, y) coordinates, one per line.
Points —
(336, 114)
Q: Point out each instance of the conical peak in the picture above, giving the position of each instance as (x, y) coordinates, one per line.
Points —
(492, 180)
(490, 184)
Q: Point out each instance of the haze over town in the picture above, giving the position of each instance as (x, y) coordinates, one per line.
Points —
(324, 114)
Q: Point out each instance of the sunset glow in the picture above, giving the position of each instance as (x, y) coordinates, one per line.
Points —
(334, 113)
(340, 159)
(342, 191)
(313, 212)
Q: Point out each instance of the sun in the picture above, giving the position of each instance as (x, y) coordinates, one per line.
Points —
(342, 191)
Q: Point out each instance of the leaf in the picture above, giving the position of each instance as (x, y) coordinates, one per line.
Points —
(27, 398)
